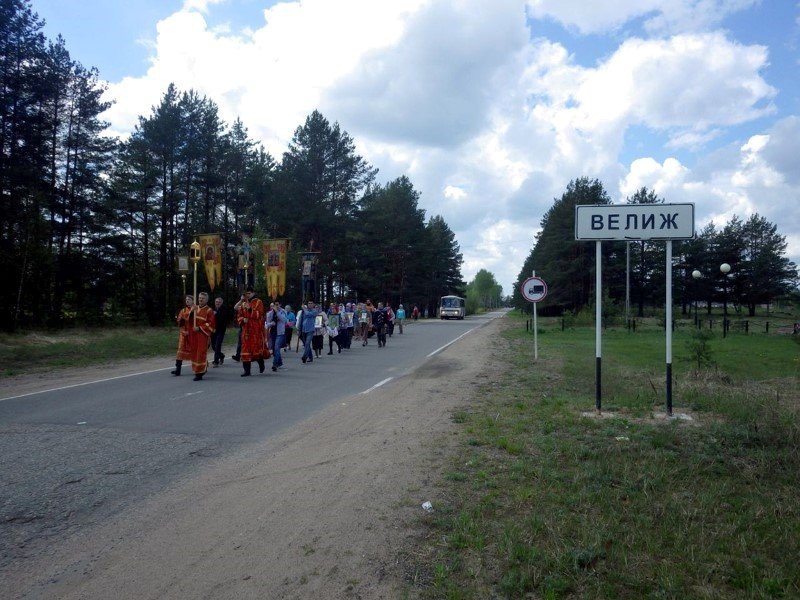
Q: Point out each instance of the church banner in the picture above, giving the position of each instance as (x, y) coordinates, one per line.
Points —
(275, 266)
(211, 251)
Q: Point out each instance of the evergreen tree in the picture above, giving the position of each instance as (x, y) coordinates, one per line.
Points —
(442, 260)
(647, 261)
(323, 177)
(386, 262)
(566, 264)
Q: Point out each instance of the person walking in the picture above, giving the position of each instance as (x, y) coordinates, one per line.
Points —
(237, 354)
(291, 322)
(333, 328)
(309, 318)
(221, 317)
(364, 323)
(184, 334)
(379, 324)
(251, 320)
(389, 319)
(347, 324)
(270, 331)
(279, 324)
(203, 324)
(320, 328)
(400, 317)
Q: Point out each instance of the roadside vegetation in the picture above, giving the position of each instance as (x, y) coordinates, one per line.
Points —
(546, 499)
(45, 350)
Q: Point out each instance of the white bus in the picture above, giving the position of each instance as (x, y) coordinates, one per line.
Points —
(451, 307)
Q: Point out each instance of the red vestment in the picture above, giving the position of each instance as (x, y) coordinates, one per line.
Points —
(186, 325)
(200, 340)
(251, 319)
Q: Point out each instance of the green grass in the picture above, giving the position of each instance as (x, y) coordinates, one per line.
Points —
(37, 351)
(544, 502)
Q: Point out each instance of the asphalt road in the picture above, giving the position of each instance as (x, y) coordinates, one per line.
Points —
(74, 456)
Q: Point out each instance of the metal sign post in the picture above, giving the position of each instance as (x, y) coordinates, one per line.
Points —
(598, 325)
(634, 222)
(534, 290)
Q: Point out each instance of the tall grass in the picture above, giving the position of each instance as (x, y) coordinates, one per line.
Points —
(36, 351)
(550, 503)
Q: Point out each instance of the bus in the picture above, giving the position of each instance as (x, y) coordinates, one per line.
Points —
(451, 307)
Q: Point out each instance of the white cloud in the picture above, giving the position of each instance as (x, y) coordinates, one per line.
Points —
(660, 16)
(660, 178)
(489, 124)
(757, 176)
(200, 5)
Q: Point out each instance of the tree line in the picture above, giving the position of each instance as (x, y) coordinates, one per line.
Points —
(760, 271)
(91, 226)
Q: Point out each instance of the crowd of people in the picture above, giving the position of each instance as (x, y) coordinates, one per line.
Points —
(268, 332)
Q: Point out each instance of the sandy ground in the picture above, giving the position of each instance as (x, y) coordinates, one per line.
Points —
(325, 510)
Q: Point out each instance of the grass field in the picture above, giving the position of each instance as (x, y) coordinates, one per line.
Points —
(36, 351)
(542, 501)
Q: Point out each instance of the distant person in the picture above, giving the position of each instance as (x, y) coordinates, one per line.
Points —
(270, 330)
(237, 354)
(347, 325)
(379, 324)
(333, 330)
(389, 319)
(279, 325)
(291, 323)
(222, 317)
(364, 318)
(320, 329)
(415, 312)
(309, 318)
(400, 317)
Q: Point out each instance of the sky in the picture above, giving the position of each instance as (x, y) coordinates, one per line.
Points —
(492, 107)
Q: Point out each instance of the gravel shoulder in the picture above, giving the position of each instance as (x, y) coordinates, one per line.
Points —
(325, 509)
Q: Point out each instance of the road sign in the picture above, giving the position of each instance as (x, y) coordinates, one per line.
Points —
(600, 222)
(534, 289)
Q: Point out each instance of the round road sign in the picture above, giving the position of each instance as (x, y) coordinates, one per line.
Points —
(534, 289)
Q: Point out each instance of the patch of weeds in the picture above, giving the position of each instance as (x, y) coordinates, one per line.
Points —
(460, 416)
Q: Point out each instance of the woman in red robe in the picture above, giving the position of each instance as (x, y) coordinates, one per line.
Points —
(250, 317)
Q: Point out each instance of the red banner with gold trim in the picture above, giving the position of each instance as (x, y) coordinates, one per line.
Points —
(211, 252)
(275, 266)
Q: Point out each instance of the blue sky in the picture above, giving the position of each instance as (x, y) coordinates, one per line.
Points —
(491, 108)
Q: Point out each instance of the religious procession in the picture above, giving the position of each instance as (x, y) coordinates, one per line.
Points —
(267, 331)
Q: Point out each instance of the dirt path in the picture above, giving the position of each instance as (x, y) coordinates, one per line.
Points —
(321, 511)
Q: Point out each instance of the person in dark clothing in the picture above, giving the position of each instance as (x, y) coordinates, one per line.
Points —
(379, 323)
(223, 317)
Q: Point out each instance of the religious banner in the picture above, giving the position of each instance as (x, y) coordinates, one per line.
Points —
(211, 252)
(275, 266)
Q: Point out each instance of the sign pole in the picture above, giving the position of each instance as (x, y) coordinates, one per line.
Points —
(669, 327)
(534, 289)
(535, 329)
(598, 317)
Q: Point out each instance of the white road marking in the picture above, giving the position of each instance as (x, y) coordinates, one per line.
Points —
(377, 385)
(66, 387)
(451, 343)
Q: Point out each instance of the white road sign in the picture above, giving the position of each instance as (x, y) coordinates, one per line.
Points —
(534, 289)
(634, 222)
